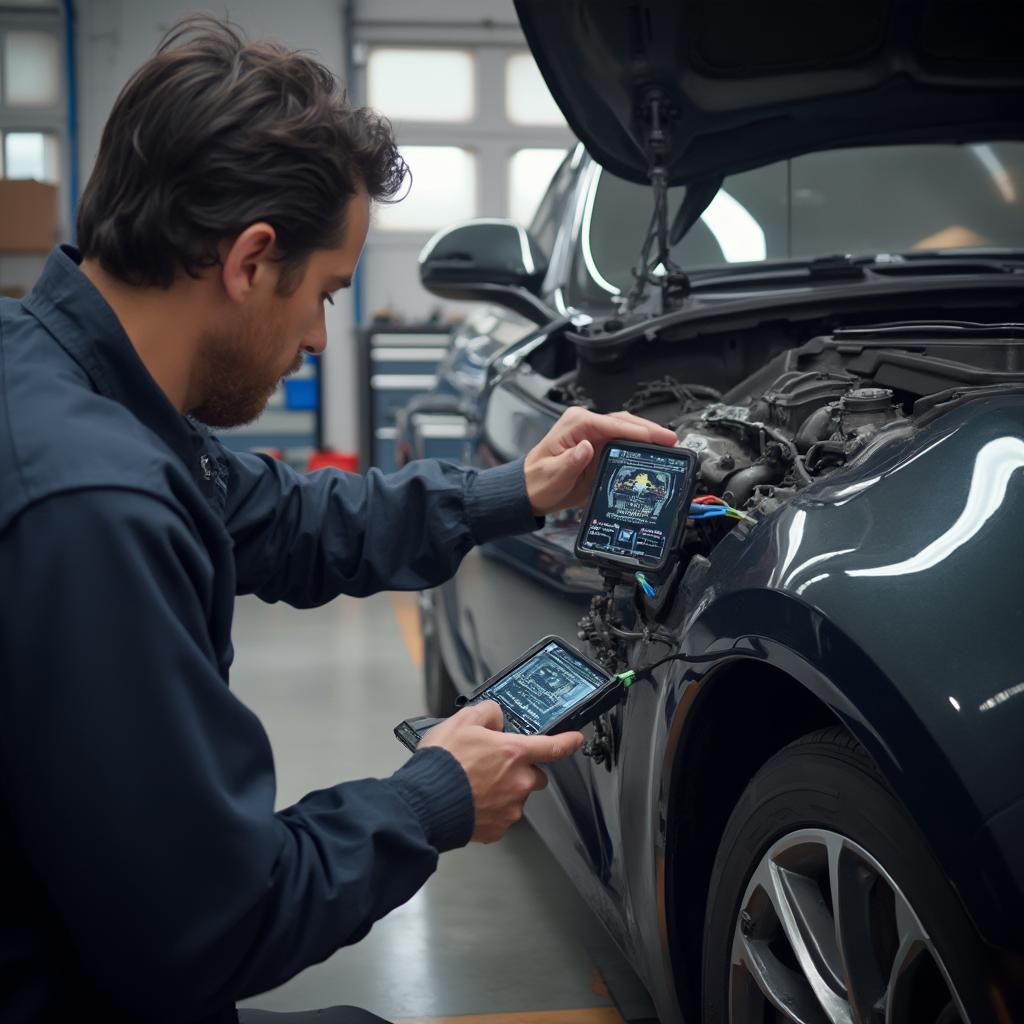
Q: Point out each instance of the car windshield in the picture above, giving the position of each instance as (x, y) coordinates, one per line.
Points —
(860, 201)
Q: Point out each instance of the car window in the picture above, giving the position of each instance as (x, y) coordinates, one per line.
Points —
(908, 197)
(867, 200)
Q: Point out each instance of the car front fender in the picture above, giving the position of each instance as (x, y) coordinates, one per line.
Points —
(893, 594)
(890, 595)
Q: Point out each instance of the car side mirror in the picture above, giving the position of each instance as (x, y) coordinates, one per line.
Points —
(487, 261)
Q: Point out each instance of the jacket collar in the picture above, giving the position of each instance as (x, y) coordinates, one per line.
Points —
(70, 308)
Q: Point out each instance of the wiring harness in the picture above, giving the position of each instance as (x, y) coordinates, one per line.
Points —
(601, 747)
(686, 397)
(635, 675)
(708, 506)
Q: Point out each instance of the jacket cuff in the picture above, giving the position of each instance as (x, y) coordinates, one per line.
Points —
(497, 504)
(437, 789)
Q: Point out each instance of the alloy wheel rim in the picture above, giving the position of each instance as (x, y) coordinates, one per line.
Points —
(824, 935)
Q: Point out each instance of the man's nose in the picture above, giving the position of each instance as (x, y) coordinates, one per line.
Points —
(316, 340)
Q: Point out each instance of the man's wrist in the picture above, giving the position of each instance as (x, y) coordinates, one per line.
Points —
(498, 503)
(437, 789)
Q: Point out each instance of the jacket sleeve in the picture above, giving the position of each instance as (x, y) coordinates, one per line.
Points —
(305, 539)
(141, 789)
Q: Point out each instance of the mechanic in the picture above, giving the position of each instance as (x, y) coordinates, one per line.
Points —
(143, 871)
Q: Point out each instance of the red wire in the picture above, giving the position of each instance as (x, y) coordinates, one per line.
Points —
(709, 499)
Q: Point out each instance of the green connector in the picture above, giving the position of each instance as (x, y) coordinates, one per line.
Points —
(627, 678)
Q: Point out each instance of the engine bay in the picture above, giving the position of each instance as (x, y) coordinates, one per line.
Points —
(809, 410)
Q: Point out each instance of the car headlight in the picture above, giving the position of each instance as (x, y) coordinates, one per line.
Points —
(464, 367)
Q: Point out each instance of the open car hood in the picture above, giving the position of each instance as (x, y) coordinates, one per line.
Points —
(749, 82)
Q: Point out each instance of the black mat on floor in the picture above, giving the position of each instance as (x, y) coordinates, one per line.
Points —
(334, 1015)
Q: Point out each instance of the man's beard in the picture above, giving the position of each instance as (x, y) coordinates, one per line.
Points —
(236, 378)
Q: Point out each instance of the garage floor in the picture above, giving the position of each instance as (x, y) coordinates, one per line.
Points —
(498, 934)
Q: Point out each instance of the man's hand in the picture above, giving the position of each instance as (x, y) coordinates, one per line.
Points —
(560, 470)
(501, 766)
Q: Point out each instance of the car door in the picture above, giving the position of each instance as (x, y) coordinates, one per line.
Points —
(515, 590)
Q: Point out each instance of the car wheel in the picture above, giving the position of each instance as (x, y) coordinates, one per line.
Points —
(825, 904)
(440, 689)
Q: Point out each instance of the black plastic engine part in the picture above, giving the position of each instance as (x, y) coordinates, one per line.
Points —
(818, 426)
(796, 395)
(821, 450)
(741, 485)
(915, 358)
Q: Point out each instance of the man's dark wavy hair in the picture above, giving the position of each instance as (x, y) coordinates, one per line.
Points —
(214, 133)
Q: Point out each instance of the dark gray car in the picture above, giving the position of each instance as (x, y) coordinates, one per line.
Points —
(793, 237)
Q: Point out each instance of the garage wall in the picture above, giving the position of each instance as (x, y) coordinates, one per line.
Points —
(489, 31)
(115, 36)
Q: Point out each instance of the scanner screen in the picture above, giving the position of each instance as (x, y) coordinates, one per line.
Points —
(543, 688)
(635, 504)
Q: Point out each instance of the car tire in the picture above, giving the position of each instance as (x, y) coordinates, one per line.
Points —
(439, 688)
(817, 828)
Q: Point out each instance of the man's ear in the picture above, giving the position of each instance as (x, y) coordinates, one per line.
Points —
(249, 262)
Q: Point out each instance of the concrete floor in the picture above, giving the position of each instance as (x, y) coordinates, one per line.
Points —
(498, 929)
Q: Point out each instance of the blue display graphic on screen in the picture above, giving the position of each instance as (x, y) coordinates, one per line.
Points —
(543, 689)
(635, 504)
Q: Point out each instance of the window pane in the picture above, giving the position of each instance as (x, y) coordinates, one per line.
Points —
(30, 155)
(527, 100)
(529, 173)
(421, 85)
(31, 69)
(443, 190)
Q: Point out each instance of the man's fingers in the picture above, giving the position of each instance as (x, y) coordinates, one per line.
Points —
(487, 713)
(574, 459)
(543, 749)
(597, 428)
(540, 780)
(647, 430)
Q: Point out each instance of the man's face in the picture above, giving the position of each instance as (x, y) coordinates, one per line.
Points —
(242, 363)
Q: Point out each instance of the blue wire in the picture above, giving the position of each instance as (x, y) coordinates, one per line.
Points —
(708, 511)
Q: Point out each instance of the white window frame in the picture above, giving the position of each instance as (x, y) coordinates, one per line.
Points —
(467, 51)
(490, 135)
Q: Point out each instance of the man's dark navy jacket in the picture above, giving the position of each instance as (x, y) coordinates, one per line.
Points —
(142, 866)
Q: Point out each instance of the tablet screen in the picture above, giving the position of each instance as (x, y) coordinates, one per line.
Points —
(543, 688)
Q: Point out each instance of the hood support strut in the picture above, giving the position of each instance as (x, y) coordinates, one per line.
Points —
(654, 118)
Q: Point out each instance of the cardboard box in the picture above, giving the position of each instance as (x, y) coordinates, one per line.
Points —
(28, 216)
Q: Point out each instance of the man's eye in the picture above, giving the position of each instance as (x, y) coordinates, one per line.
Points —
(328, 298)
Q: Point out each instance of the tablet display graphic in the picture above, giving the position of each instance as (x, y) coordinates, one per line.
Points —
(635, 504)
(543, 689)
